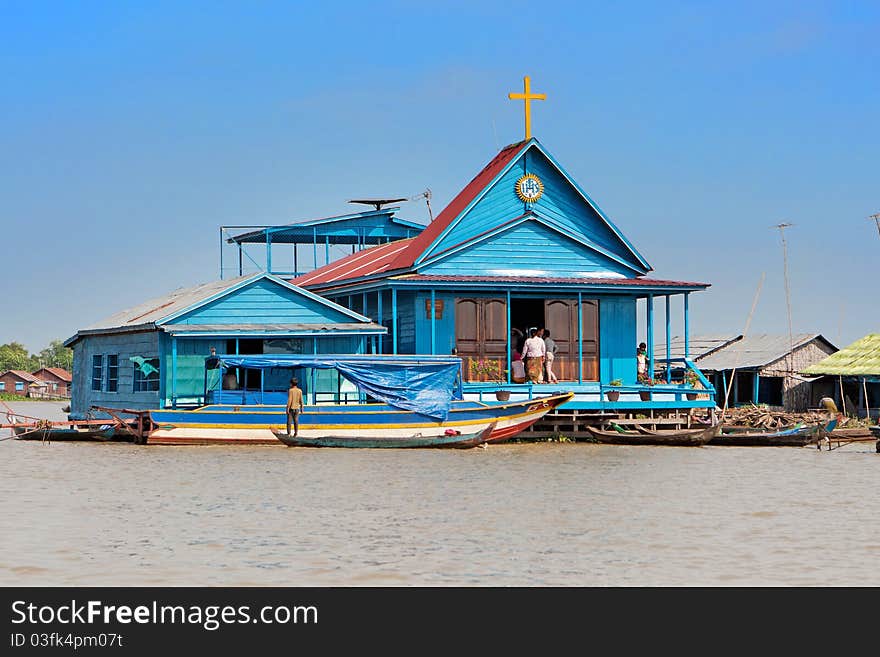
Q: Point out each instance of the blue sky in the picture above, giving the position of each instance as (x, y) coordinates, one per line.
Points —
(130, 132)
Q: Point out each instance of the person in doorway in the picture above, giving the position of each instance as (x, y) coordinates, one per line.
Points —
(534, 351)
(549, 357)
(642, 362)
(294, 406)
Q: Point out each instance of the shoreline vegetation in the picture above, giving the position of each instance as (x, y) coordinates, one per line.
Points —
(15, 356)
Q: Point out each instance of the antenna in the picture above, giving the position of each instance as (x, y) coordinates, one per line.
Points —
(876, 218)
(427, 196)
(782, 226)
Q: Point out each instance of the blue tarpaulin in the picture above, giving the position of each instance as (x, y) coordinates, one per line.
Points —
(426, 385)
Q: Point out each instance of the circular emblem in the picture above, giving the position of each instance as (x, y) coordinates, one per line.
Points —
(529, 188)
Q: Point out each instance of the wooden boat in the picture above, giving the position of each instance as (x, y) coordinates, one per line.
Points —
(105, 432)
(450, 439)
(796, 436)
(257, 425)
(682, 438)
(415, 396)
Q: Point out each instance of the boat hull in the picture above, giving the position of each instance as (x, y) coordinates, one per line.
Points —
(790, 438)
(257, 425)
(417, 440)
(686, 438)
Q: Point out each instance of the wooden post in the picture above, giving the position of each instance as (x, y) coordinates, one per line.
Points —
(394, 320)
(650, 317)
(867, 405)
(757, 387)
(687, 327)
(379, 318)
(268, 251)
(173, 372)
(581, 341)
(842, 398)
(508, 335)
(433, 327)
(668, 347)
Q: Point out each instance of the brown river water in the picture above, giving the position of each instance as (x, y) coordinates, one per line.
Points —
(543, 514)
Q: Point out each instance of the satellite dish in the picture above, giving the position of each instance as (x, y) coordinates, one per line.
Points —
(377, 202)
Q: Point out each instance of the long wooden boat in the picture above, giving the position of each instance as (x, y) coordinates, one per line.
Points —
(682, 438)
(450, 439)
(101, 433)
(796, 436)
(255, 425)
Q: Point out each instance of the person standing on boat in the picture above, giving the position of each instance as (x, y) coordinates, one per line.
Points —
(294, 406)
(533, 354)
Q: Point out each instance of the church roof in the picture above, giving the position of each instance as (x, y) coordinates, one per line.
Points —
(402, 254)
(445, 235)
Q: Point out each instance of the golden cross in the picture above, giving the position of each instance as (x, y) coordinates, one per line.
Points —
(527, 96)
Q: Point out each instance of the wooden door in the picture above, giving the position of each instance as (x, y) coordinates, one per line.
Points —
(481, 333)
(561, 317)
(590, 338)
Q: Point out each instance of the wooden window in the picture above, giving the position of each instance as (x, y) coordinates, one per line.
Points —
(19, 385)
(97, 372)
(2, 385)
(112, 372)
(147, 382)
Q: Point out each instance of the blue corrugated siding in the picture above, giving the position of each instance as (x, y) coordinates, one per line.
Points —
(529, 247)
(561, 203)
(263, 302)
(617, 339)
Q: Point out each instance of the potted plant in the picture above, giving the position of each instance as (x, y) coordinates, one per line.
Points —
(691, 379)
(614, 395)
(492, 371)
(645, 380)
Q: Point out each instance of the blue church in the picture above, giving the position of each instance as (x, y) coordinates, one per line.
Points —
(522, 245)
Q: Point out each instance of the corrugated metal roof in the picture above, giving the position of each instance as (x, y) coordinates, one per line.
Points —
(303, 232)
(374, 260)
(699, 346)
(275, 328)
(585, 280)
(861, 358)
(754, 351)
(403, 253)
(154, 310)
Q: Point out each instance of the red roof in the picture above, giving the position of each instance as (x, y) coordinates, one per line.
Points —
(374, 260)
(24, 376)
(402, 254)
(59, 372)
(642, 282)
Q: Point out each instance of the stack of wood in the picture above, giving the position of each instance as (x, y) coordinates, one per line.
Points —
(761, 417)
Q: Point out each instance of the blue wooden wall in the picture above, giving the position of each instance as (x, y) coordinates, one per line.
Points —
(528, 249)
(123, 345)
(617, 339)
(562, 204)
(444, 328)
(264, 302)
